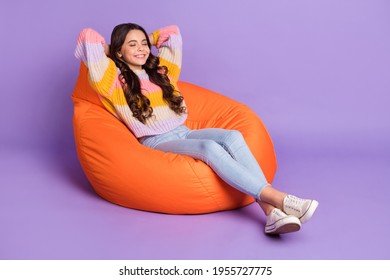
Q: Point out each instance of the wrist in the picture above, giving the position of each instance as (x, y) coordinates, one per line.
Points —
(151, 39)
(106, 49)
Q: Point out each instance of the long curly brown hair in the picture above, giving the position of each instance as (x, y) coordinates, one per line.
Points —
(139, 104)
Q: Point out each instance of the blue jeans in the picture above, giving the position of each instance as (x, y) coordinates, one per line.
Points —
(225, 151)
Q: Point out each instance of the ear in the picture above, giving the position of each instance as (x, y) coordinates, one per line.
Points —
(119, 54)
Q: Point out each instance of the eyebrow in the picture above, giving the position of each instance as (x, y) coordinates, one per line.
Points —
(136, 41)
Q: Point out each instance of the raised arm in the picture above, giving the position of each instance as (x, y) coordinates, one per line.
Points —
(168, 41)
(91, 49)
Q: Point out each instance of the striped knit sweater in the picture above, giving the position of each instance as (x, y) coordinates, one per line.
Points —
(104, 78)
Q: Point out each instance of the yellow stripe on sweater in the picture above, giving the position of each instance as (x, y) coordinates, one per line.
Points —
(156, 34)
(104, 85)
(118, 97)
(173, 69)
(107, 104)
(156, 99)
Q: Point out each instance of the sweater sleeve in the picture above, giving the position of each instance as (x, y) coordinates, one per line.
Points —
(102, 72)
(169, 44)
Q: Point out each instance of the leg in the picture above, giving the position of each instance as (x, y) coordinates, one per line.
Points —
(228, 155)
(266, 207)
(270, 198)
(234, 143)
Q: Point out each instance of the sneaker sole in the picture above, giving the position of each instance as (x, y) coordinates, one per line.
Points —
(286, 225)
(310, 211)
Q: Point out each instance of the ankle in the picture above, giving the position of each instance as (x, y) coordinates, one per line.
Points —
(266, 207)
(268, 211)
(272, 196)
(280, 201)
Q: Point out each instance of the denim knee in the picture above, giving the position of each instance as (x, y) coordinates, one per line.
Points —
(233, 135)
(211, 149)
(233, 139)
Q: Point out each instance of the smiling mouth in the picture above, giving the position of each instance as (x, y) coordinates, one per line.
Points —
(140, 56)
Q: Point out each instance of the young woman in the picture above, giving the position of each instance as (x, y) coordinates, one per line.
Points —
(141, 90)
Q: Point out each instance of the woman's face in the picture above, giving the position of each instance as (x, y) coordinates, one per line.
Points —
(135, 50)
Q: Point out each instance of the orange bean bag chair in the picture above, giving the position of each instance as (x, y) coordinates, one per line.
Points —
(124, 172)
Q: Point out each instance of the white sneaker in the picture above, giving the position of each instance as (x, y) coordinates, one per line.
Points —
(301, 208)
(278, 222)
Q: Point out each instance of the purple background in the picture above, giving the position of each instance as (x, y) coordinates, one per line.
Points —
(316, 72)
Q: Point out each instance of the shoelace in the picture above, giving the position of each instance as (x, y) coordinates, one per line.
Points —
(294, 202)
(277, 213)
(276, 216)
